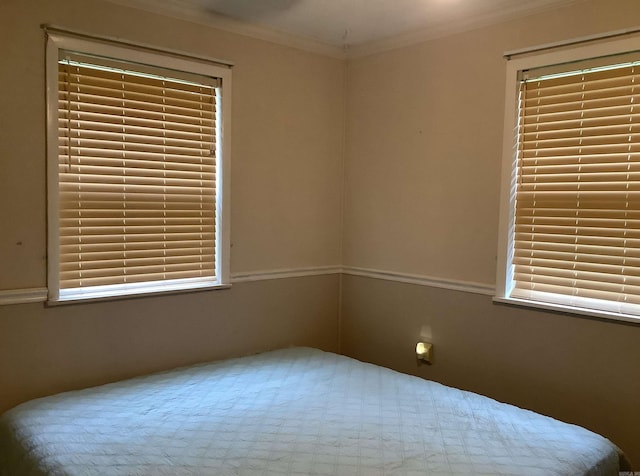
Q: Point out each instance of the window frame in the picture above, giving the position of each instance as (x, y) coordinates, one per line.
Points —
(56, 41)
(540, 58)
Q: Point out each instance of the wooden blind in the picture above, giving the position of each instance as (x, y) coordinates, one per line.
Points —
(137, 177)
(577, 224)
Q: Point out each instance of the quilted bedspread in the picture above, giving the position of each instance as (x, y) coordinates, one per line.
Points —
(296, 411)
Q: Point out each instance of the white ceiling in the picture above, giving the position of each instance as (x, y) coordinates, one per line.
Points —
(347, 24)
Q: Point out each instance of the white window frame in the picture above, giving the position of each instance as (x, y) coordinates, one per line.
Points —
(59, 40)
(557, 55)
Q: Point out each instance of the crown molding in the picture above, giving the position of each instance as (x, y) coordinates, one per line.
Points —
(445, 29)
(184, 11)
(220, 22)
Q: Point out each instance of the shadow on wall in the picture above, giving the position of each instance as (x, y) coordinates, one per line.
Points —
(248, 10)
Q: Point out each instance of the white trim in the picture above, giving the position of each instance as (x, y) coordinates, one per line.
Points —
(430, 281)
(568, 309)
(223, 165)
(132, 289)
(27, 295)
(185, 10)
(21, 296)
(284, 273)
(575, 41)
(53, 234)
(148, 292)
(507, 183)
(55, 30)
(39, 294)
(57, 39)
(434, 32)
(219, 22)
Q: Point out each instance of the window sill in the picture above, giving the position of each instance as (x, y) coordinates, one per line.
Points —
(88, 297)
(613, 316)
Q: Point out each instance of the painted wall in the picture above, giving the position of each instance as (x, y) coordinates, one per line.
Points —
(286, 148)
(287, 119)
(45, 351)
(578, 370)
(424, 141)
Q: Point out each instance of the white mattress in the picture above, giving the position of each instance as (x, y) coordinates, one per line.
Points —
(290, 412)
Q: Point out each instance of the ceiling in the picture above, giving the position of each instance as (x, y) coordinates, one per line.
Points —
(346, 25)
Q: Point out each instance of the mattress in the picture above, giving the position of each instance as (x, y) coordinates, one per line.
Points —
(295, 411)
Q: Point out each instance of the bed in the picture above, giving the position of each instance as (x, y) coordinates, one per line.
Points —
(296, 411)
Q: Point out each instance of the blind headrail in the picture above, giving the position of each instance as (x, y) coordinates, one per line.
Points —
(575, 41)
(52, 29)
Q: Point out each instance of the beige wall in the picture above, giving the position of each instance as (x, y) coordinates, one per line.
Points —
(287, 117)
(286, 148)
(44, 351)
(424, 141)
(583, 371)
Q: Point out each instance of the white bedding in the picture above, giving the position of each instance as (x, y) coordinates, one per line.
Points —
(296, 411)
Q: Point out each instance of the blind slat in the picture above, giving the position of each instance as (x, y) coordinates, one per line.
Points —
(132, 264)
(154, 129)
(136, 278)
(133, 247)
(120, 144)
(143, 117)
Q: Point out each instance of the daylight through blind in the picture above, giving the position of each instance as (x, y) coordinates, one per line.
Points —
(577, 230)
(137, 177)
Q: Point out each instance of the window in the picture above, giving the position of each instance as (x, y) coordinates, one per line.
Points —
(136, 168)
(570, 216)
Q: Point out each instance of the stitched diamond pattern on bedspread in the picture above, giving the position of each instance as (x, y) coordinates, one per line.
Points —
(293, 412)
